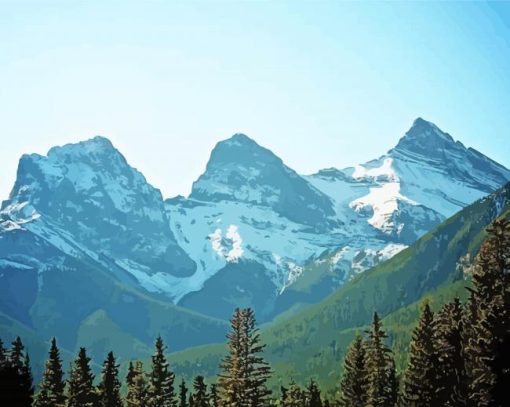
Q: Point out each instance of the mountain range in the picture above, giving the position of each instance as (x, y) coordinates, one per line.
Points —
(314, 341)
(92, 253)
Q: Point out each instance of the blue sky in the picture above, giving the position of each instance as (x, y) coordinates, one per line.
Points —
(320, 83)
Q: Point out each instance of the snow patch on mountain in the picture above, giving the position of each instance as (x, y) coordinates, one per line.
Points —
(233, 236)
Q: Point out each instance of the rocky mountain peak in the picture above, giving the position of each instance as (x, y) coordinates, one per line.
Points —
(425, 138)
(241, 170)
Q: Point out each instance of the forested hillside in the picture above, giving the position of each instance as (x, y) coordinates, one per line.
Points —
(456, 357)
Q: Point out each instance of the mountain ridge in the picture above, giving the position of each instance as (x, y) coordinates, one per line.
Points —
(247, 211)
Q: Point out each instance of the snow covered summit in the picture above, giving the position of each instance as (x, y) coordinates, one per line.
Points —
(252, 232)
(87, 195)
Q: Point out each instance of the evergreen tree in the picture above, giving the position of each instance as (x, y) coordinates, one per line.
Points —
(420, 382)
(283, 395)
(51, 390)
(244, 372)
(230, 380)
(294, 396)
(17, 354)
(27, 382)
(257, 369)
(109, 388)
(183, 391)
(451, 372)
(488, 341)
(354, 382)
(313, 395)
(200, 398)
(16, 382)
(161, 379)
(393, 384)
(380, 369)
(80, 388)
(213, 397)
(3, 355)
(136, 386)
(191, 401)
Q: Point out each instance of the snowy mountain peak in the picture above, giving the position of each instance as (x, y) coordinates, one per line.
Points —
(425, 138)
(89, 190)
(241, 170)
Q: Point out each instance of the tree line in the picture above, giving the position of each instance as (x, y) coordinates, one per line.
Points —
(458, 356)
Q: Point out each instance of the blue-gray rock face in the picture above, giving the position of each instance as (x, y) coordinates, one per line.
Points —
(240, 170)
(89, 191)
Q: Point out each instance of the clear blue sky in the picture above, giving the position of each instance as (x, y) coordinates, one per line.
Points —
(320, 83)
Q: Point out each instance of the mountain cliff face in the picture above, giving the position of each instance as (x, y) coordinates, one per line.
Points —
(88, 194)
(253, 232)
(366, 214)
(240, 170)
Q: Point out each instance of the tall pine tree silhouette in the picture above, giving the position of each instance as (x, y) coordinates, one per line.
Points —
(136, 386)
(16, 382)
(451, 371)
(183, 394)
(313, 395)
(108, 391)
(380, 365)
(200, 398)
(488, 340)
(244, 372)
(294, 396)
(214, 400)
(354, 383)
(161, 379)
(420, 383)
(80, 388)
(3, 354)
(52, 387)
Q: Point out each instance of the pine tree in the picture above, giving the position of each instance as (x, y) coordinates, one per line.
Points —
(109, 389)
(17, 354)
(451, 372)
(80, 385)
(137, 386)
(420, 381)
(313, 395)
(27, 382)
(200, 398)
(283, 395)
(380, 369)
(16, 382)
(183, 391)
(230, 380)
(51, 390)
(213, 397)
(393, 383)
(257, 369)
(161, 379)
(354, 382)
(3, 355)
(244, 372)
(294, 396)
(489, 339)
